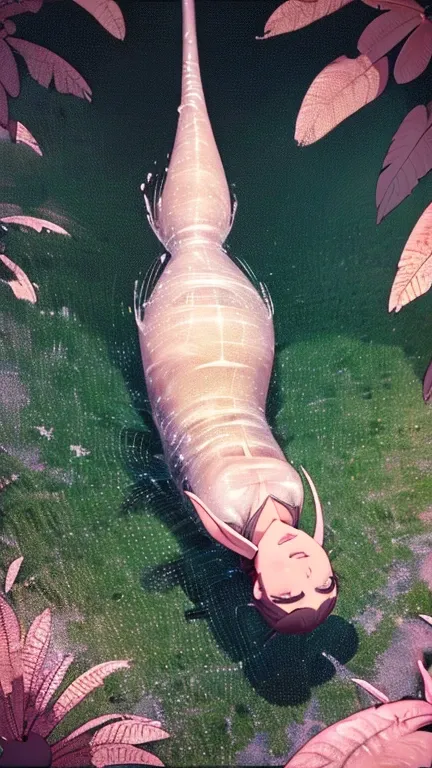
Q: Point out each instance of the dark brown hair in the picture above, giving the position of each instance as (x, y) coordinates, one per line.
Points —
(297, 622)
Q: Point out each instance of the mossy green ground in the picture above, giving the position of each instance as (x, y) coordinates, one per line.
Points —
(117, 558)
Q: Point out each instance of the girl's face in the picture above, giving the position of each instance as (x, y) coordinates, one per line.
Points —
(294, 569)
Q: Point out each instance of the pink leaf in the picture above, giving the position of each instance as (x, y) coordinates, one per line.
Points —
(427, 681)
(65, 751)
(20, 6)
(408, 752)
(122, 755)
(10, 647)
(372, 690)
(12, 573)
(77, 759)
(34, 223)
(21, 286)
(72, 741)
(414, 273)
(11, 683)
(21, 135)
(4, 109)
(8, 70)
(8, 725)
(427, 385)
(35, 649)
(108, 14)
(427, 619)
(128, 732)
(296, 14)
(415, 54)
(343, 87)
(79, 744)
(75, 693)
(407, 160)
(386, 31)
(47, 685)
(361, 740)
(96, 722)
(44, 65)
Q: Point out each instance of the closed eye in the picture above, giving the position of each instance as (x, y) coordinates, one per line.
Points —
(330, 588)
(287, 600)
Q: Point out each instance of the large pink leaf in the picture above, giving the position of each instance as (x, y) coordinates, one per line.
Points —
(44, 65)
(118, 754)
(108, 14)
(35, 650)
(4, 108)
(75, 693)
(20, 284)
(427, 384)
(20, 6)
(361, 739)
(407, 160)
(21, 135)
(414, 273)
(296, 14)
(412, 751)
(342, 88)
(12, 573)
(8, 70)
(386, 31)
(415, 54)
(128, 732)
(34, 223)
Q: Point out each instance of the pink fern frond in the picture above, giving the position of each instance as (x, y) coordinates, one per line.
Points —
(77, 759)
(8, 70)
(108, 14)
(12, 573)
(75, 693)
(44, 65)
(20, 284)
(34, 223)
(35, 650)
(118, 754)
(48, 685)
(128, 732)
(10, 647)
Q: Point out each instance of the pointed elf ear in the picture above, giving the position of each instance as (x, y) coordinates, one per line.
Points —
(222, 532)
(257, 591)
(319, 516)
